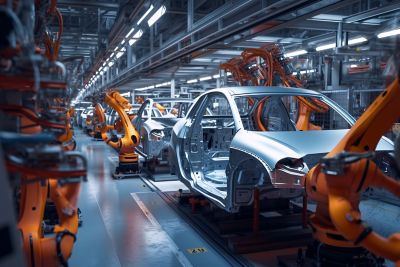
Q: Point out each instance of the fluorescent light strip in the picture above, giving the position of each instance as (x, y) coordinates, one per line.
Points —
(192, 81)
(116, 48)
(325, 47)
(136, 37)
(295, 53)
(216, 76)
(110, 64)
(120, 54)
(145, 15)
(132, 41)
(389, 33)
(157, 15)
(205, 78)
(305, 71)
(138, 34)
(122, 42)
(357, 40)
(129, 33)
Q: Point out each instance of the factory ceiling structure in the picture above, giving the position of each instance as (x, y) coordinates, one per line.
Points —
(207, 33)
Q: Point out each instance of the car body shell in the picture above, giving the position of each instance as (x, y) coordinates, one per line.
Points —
(155, 127)
(84, 114)
(252, 159)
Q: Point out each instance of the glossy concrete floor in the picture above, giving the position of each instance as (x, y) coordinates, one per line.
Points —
(125, 223)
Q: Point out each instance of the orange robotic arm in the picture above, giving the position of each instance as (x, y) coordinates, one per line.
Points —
(272, 66)
(131, 137)
(104, 128)
(336, 183)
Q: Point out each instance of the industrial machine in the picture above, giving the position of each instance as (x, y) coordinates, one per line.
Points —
(337, 183)
(267, 66)
(128, 164)
(37, 139)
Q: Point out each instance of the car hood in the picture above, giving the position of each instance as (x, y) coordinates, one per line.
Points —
(274, 146)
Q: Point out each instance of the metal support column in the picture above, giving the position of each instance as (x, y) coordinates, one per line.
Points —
(151, 32)
(223, 78)
(172, 88)
(133, 96)
(190, 11)
(336, 63)
(108, 74)
(128, 54)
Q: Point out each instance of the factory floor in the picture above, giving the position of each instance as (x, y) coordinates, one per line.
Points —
(126, 223)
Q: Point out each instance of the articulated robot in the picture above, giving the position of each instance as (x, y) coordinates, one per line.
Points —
(48, 175)
(336, 185)
(248, 68)
(128, 164)
(36, 135)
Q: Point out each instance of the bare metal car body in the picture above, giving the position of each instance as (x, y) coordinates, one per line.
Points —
(155, 127)
(223, 158)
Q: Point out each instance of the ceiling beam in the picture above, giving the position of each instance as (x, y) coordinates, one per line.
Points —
(372, 13)
(87, 4)
(331, 26)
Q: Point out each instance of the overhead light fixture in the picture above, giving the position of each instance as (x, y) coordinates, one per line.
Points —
(353, 66)
(145, 14)
(104, 63)
(112, 54)
(122, 42)
(192, 81)
(325, 47)
(157, 15)
(357, 40)
(389, 33)
(135, 37)
(129, 33)
(101, 72)
(116, 48)
(110, 63)
(120, 54)
(205, 78)
(304, 71)
(296, 53)
(105, 68)
(216, 76)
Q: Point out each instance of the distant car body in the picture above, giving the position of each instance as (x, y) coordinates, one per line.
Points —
(154, 121)
(84, 114)
(78, 118)
(220, 151)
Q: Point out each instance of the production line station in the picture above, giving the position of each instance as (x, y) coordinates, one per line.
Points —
(200, 133)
